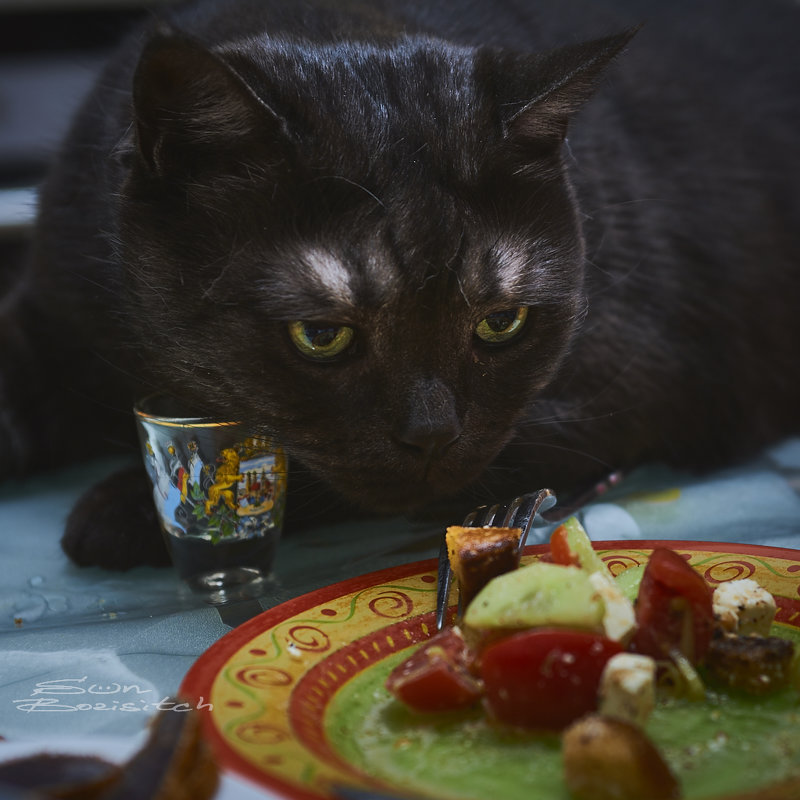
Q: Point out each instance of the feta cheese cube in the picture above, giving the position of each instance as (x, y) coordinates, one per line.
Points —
(744, 607)
(619, 618)
(628, 687)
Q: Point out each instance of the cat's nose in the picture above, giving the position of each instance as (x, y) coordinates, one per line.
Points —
(431, 424)
(429, 440)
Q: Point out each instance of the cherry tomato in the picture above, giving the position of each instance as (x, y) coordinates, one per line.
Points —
(545, 677)
(560, 549)
(436, 677)
(673, 608)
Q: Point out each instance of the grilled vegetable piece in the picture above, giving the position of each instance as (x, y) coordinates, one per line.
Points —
(479, 554)
(611, 759)
(673, 609)
(67, 777)
(753, 664)
(535, 595)
(436, 677)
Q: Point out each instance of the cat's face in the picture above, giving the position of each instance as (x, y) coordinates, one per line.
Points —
(364, 258)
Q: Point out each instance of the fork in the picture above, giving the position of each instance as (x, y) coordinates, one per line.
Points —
(532, 510)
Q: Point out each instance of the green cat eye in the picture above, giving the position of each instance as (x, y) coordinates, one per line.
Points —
(502, 326)
(320, 340)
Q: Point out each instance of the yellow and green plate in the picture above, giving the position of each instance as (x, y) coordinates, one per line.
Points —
(294, 700)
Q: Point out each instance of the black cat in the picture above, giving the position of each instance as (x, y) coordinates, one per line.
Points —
(395, 234)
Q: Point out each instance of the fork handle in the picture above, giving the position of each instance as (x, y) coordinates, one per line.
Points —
(577, 501)
(443, 583)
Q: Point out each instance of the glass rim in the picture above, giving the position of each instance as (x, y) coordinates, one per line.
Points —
(173, 420)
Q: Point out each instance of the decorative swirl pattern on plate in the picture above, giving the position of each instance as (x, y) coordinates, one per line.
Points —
(730, 570)
(261, 733)
(617, 562)
(309, 638)
(260, 677)
(391, 604)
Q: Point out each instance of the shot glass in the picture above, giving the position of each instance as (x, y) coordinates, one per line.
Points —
(220, 494)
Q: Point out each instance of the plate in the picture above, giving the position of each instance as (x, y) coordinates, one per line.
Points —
(268, 685)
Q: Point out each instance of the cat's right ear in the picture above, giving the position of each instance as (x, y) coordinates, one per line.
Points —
(540, 94)
(191, 108)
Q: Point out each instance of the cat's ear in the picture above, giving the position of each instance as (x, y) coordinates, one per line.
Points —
(191, 108)
(554, 86)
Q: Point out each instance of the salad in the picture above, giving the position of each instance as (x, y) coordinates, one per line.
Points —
(560, 648)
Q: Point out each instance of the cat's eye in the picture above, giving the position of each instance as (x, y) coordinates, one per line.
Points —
(502, 326)
(320, 340)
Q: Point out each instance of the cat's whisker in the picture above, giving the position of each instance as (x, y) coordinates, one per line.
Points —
(573, 451)
(353, 183)
(559, 421)
(618, 278)
(227, 262)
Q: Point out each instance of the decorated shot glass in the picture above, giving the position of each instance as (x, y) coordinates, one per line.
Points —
(220, 494)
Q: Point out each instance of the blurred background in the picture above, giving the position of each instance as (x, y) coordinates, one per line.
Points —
(50, 52)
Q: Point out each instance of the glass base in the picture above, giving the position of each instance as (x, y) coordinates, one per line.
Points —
(223, 579)
(227, 570)
(229, 585)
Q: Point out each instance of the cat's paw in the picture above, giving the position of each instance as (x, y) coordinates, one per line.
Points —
(114, 525)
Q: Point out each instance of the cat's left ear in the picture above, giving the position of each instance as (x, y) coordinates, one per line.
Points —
(557, 83)
(191, 108)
